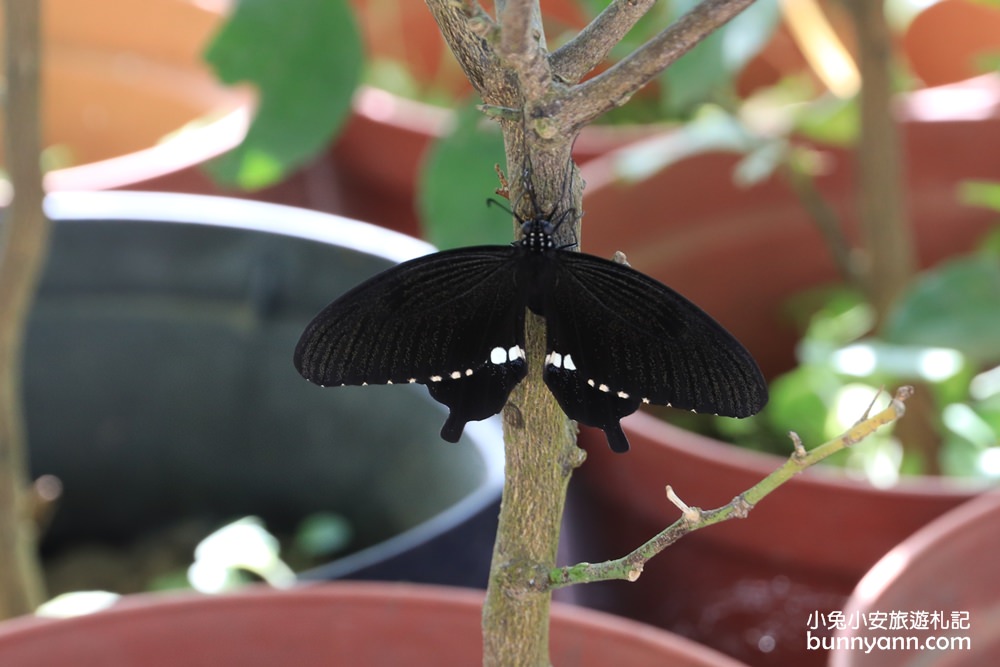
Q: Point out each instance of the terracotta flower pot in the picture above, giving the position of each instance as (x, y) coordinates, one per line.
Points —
(747, 587)
(336, 624)
(159, 387)
(122, 79)
(951, 40)
(117, 78)
(943, 568)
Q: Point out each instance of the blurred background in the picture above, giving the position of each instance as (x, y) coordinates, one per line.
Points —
(849, 240)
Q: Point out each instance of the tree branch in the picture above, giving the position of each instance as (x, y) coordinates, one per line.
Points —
(886, 232)
(470, 33)
(615, 86)
(507, 64)
(522, 45)
(591, 46)
(828, 222)
(23, 244)
(630, 567)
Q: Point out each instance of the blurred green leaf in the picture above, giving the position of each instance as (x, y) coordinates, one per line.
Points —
(829, 120)
(304, 57)
(323, 534)
(980, 193)
(716, 61)
(878, 359)
(456, 179)
(712, 129)
(962, 420)
(955, 305)
(836, 314)
(760, 163)
(800, 401)
(990, 245)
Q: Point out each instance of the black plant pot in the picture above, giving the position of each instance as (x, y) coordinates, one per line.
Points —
(159, 386)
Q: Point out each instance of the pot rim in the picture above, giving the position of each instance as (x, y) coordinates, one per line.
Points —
(402, 595)
(885, 573)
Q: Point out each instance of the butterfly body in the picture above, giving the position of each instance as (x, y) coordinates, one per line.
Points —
(454, 321)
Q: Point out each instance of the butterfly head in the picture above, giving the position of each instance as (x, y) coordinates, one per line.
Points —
(536, 235)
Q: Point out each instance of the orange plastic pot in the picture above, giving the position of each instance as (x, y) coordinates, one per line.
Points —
(360, 624)
(944, 569)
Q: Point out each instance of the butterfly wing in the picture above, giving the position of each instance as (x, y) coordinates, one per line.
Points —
(618, 338)
(451, 320)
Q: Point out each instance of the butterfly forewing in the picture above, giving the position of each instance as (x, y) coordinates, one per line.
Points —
(451, 320)
(618, 338)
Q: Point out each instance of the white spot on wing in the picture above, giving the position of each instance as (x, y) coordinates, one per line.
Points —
(468, 371)
(591, 382)
(622, 394)
(455, 375)
(498, 356)
(556, 359)
(568, 363)
(604, 388)
(435, 378)
(515, 353)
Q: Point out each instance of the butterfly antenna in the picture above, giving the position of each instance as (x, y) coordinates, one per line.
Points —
(491, 201)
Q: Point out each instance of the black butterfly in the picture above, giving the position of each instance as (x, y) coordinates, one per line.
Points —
(454, 321)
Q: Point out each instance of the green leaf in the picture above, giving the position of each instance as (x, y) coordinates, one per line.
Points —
(304, 57)
(830, 120)
(980, 193)
(812, 309)
(955, 305)
(715, 62)
(712, 129)
(800, 401)
(457, 178)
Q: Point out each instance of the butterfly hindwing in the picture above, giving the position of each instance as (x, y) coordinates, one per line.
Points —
(451, 320)
(617, 339)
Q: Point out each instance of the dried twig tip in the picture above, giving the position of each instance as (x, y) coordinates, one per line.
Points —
(898, 401)
(691, 514)
(800, 451)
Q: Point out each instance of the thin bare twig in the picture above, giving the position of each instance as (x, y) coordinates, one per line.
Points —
(591, 46)
(615, 86)
(844, 256)
(629, 567)
(23, 243)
